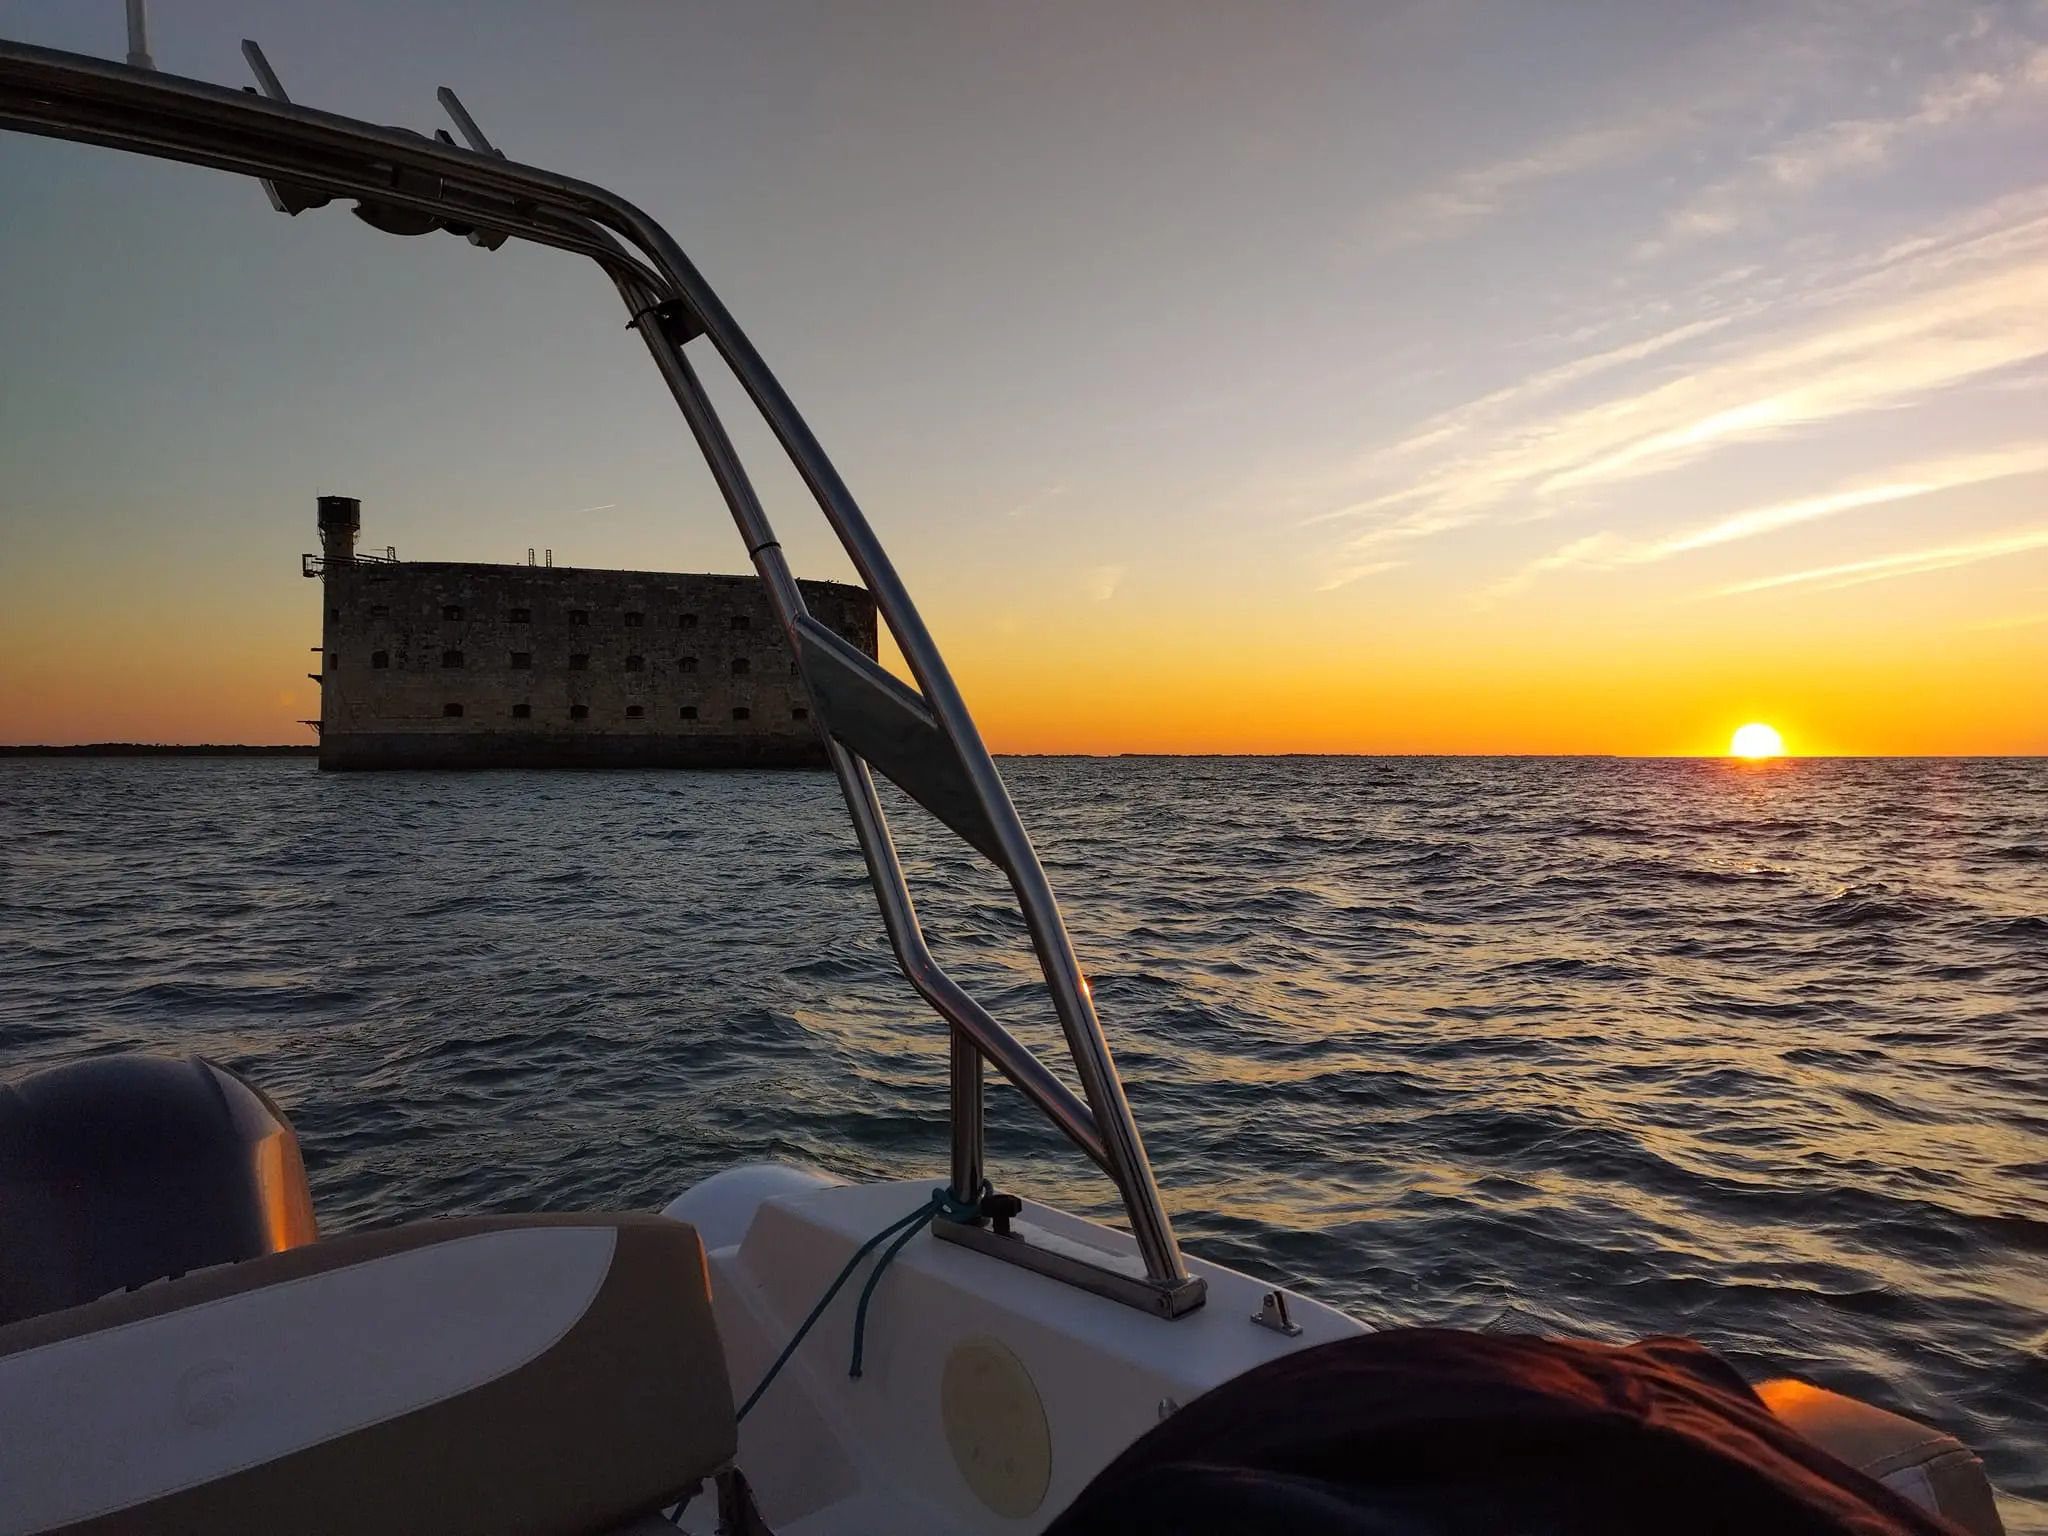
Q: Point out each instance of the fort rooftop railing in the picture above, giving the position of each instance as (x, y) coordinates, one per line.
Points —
(923, 739)
(316, 565)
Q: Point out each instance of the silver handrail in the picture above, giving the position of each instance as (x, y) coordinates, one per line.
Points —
(926, 740)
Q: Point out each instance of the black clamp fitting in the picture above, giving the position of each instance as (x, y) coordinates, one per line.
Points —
(999, 1209)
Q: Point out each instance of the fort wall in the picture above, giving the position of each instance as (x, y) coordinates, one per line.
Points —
(438, 665)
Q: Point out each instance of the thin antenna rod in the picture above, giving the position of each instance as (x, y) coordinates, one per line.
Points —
(259, 66)
(283, 197)
(138, 36)
(466, 124)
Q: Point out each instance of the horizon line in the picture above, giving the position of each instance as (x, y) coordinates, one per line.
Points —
(308, 749)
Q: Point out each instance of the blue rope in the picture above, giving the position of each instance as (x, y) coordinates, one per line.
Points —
(903, 1229)
(943, 1204)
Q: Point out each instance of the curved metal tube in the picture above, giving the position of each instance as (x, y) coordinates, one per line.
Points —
(1130, 1167)
(98, 102)
(871, 827)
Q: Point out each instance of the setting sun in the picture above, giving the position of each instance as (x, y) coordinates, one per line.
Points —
(1756, 740)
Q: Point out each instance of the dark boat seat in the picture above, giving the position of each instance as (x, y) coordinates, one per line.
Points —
(500, 1375)
(1433, 1431)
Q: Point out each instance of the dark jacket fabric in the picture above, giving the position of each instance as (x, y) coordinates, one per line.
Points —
(1433, 1432)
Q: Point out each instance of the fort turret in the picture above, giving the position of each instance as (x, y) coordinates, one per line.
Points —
(341, 518)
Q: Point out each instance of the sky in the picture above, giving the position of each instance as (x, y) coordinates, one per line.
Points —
(1432, 376)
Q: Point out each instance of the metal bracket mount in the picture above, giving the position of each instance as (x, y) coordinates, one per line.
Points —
(677, 320)
(1120, 1277)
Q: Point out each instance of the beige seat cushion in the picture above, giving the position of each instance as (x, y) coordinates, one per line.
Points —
(1935, 1470)
(502, 1375)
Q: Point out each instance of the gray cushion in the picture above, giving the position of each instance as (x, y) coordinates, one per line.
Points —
(501, 1375)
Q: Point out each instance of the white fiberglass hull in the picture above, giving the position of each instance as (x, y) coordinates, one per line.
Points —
(989, 1395)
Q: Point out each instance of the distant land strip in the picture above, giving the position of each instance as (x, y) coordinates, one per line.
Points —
(158, 749)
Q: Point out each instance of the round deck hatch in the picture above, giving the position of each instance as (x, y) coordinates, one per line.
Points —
(995, 1427)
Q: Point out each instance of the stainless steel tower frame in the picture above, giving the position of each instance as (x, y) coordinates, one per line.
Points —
(922, 739)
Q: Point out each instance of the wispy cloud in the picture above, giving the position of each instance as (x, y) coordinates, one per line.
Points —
(1762, 80)
(1598, 550)
(1608, 551)
(1346, 572)
(1450, 425)
(1474, 195)
(1038, 501)
(1854, 145)
(1862, 363)
(1886, 567)
(1840, 327)
(1099, 582)
(1942, 310)
(1787, 514)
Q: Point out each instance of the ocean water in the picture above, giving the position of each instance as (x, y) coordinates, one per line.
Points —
(1754, 1053)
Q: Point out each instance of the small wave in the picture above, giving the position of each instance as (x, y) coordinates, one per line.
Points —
(1573, 968)
(1846, 1058)
(2024, 927)
(1854, 908)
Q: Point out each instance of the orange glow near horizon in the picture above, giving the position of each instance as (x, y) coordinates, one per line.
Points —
(1427, 687)
(224, 659)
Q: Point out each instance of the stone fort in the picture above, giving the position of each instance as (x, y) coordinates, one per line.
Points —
(433, 664)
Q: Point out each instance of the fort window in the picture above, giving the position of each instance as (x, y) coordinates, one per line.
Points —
(579, 615)
(334, 614)
(686, 621)
(795, 670)
(380, 659)
(451, 610)
(689, 712)
(333, 661)
(799, 714)
(579, 663)
(688, 664)
(739, 621)
(633, 620)
(579, 711)
(451, 658)
(519, 616)
(636, 663)
(741, 712)
(380, 611)
(634, 711)
(739, 665)
(522, 711)
(522, 661)
(452, 711)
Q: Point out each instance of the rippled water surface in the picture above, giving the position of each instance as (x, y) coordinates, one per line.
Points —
(1758, 1054)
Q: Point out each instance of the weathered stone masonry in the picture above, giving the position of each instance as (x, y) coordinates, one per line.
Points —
(441, 665)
